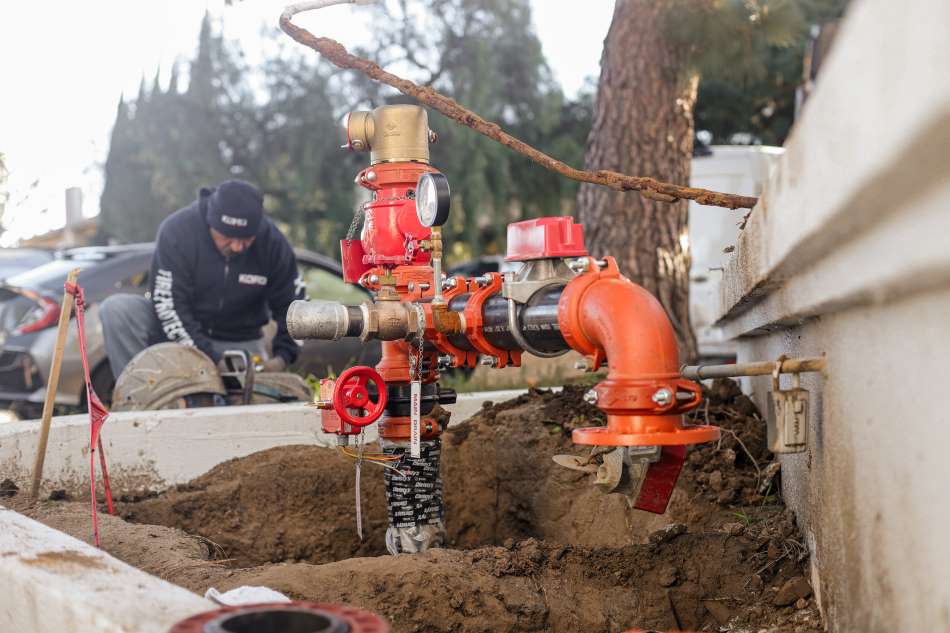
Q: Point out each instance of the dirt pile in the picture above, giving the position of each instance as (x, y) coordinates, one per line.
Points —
(680, 581)
(539, 548)
(289, 503)
(500, 481)
(162, 551)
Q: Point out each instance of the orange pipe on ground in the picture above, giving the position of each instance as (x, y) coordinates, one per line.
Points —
(605, 316)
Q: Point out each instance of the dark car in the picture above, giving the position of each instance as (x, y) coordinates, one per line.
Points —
(19, 260)
(484, 264)
(30, 306)
(324, 279)
(29, 313)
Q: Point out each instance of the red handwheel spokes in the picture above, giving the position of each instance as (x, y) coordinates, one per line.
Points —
(351, 393)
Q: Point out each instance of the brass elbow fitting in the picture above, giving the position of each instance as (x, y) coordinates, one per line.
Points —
(393, 133)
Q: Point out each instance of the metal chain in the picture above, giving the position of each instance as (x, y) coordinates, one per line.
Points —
(357, 216)
(361, 209)
(415, 362)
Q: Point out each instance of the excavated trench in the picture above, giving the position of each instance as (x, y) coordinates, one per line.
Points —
(531, 546)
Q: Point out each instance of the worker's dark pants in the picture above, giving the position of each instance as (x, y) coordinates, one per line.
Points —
(129, 325)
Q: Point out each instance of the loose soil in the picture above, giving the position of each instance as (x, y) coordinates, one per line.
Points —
(532, 546)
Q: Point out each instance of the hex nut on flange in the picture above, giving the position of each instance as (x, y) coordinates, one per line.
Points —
(663, 397)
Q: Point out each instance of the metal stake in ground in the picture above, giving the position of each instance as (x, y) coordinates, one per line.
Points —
(53, 383)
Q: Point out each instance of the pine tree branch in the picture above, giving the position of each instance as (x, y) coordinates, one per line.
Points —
(647, 187)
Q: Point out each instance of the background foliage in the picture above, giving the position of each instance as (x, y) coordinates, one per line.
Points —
(277, 124)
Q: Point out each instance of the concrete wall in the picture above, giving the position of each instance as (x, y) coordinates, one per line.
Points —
(848, 255)
(151, 450)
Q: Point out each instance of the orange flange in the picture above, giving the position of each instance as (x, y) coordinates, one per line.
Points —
(387, 175)
(474, 321)
(604, 315)
(398, 428)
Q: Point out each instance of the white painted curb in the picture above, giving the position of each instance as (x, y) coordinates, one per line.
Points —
(152, 450)
(53, 582)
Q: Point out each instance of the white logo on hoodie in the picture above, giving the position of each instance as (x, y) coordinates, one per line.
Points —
(252, 280)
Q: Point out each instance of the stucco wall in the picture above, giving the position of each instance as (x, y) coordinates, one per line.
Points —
(847, 255)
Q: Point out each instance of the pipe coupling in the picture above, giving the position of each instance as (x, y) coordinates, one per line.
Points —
(325, 320)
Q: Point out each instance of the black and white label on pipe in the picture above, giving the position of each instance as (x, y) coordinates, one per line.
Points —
(415, 421)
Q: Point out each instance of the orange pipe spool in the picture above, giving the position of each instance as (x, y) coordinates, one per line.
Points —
(604, 315)
(394, 368)
(398, 429)
(394, 364)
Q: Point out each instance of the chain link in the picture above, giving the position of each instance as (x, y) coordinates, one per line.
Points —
(357, 216)
(415, 360)
(361, 209)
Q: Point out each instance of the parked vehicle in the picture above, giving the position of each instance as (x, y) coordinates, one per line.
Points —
(323, 277)
(481, 265)
(19, 260)
(30, 307)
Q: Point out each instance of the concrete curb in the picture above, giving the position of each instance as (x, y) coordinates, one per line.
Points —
(152, 450)
(53, 582)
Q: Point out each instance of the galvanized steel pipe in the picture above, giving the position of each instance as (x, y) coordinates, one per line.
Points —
(325, 320)
(761, 368)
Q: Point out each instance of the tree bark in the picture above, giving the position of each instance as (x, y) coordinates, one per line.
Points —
(643, 124)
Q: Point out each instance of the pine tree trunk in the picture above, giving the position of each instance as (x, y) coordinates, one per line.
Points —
(643, 125)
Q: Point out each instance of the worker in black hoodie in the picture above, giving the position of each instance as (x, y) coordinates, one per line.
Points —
(221, 269)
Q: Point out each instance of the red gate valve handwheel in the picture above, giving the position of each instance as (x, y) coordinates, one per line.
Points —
(350, 392)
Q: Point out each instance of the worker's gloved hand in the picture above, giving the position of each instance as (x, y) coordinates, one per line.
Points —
(274, 364)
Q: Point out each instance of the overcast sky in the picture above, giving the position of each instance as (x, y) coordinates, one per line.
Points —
(65, 63)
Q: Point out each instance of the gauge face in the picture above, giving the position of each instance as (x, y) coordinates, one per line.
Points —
(432, 199)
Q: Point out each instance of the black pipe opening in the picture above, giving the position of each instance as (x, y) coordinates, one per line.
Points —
(277, 620)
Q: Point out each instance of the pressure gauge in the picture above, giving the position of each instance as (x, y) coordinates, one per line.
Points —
(432, 199)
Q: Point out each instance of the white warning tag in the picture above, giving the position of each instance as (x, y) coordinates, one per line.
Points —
(415, 422)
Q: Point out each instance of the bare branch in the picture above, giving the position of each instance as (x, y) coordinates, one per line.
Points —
(649, 187)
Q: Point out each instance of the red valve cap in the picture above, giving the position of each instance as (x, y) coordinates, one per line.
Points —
(543, 238)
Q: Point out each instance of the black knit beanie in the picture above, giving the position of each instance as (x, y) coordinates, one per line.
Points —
(235, 209)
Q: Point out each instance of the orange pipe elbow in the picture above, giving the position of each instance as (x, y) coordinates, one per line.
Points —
(605, 316)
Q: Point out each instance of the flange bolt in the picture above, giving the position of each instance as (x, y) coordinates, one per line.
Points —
(663, 397)
(488, 361)
(580, 265)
